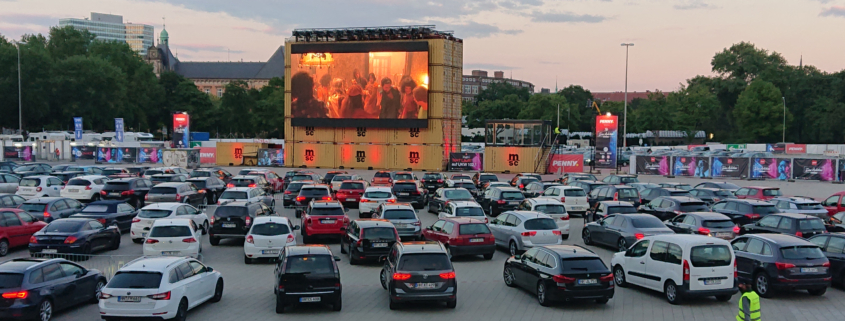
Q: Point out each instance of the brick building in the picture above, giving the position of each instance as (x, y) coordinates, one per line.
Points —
(478, 81)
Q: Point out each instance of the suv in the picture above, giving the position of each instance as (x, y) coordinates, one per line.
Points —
(621, 179)
(776, 262)
(234, 219)
(350, 191)
(576, 273)
(129, 190)
(368, 238)
(652, 193)
(433, 181)
(758, 193)
(419, 271)
(800, 205)
(292, 191)
(614, 193)
(681, 266)
(711, 195)
(383, 178)
(573, 198)
(29, 285)
(310, 193)
(403, 217)
(833, 246)
(666, 208)
(87, 188)
(176, 192)
(500, 199)
(463, 236)
(521, 230)
(800, 225)
(323, 218)
(410, 191)
(603, 209)
(551, 207)
(307, 274)
(744, 212)
(480, 178)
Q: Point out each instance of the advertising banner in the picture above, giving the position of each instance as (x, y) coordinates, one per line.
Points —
(691, 166)
(729, 167)
(566, 163)
(796, 148)
(466, 161)
(118, 130)
(778, 148)
(652, 165)
(181, 130)
(841, 171)
(77, 128)
(149, 155)
(606, 133)
(271, 157)
(84, 152)
(20, 153)
(116, 154)
(771, 168)
(208, 155)
(813, 169)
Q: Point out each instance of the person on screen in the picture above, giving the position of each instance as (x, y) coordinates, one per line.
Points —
(371, 105)
(389, 100)
(353, 105)
(323, 88)
(421, 97)
(410, 109)
(336, 97)
(303, 104)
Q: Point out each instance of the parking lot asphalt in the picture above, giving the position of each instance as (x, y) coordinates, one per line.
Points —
(482, 294)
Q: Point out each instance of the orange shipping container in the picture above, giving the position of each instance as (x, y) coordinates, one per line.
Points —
(313, 134)
(417, 157)
(431, 135)
(232, 154)
(362, 156)
(513, 159)
(363, 135)
(312, 155)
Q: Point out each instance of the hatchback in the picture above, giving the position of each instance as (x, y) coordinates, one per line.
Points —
(74, 236)
(520, 230)
(267, 236)
(744, 212)
(39, 186)
(777, 262)
(310, 193)
(246, 194)
(704, 223)
(463, 183)
(444, 195)
(212, 187)
(521, 182)
(535, 189)
(383, 178)
(307, 274)
(338, 179)
(833, 246)
(372, 198)
(292, 191)
(501, 199)
(84, 188)
(614, 193)
(176, 193)
(574, 198)
(711, 195)
(368, 238)
(275, 184)
(404, 218)
(412, 192)
(16, 228)
(48, 209)
(405, 176)
(668, 207)
(585, 185)
(174, 237)
(433, 181)
(349, 192)
(142, 222)
(330, 175)
(419, 271)
(481, 178)
(250, 181)
(800, 205)
(621, 230)
(322, 219)
(467, 209)
(551, 207)
(234, 219)
(463, 236)
(129, 190)
(800, 225)
(610, 207)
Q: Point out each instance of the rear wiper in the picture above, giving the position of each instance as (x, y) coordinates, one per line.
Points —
(298, 273)
(430, 269)
(577, 268)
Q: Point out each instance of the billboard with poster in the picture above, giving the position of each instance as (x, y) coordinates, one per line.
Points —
(607, 129)
(149, 155)
(84, 152)
(771, 168)
(814, 169)
(378, 84)
(466, 162)
(566, 163)
(18, 153)
(181, 130)
(271, 157)
(691, 166)
(729, 167)
(652, 165)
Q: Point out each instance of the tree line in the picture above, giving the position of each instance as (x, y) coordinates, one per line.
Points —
(742, 102)
(68, 73)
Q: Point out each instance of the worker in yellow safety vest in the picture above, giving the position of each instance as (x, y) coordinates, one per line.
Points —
(749, 304)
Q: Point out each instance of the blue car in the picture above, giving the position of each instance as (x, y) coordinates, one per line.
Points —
(74, 236)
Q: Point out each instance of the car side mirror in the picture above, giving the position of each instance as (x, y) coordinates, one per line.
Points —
(517, 257)
(346, 210)
(296, 227)
(337, 258)
(209, 269)
(428, 228)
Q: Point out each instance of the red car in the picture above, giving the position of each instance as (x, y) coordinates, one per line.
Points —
(350, 192)
(383, 178)
(463, 236)
(834, 203)
(758, 193)
(16, 227)
(277, 183)
(323, 218)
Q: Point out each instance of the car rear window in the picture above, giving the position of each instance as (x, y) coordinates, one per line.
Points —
(135, 280)
(809, 206)
(404, 187)
(310, 264)
(10, 280)
(694, 207)
(404, 176)
(198, 183)
(424, 262)
(145, 213)
(718, 224)
(469, 186)
(312, 192)
(234, 195)
(269, 229)
(340, 178)
(679, 193)
(513, 195)
(765, 209)
(116, 186)
(170, 231)
(772, 192)
(163, 190)
(628, 192)
(581, 265)
(626, 180)
(95, 208)
(351, 185)
(811, 224)
(685, 187)
(242, 182)
(527, 180)
(300, 178)
(550, 209)
(78, 182)
(382, 174)
(474, 228)
(399, 215)
(33, 207)
(488, 178)
(151, 172)
(327, 211)
(227, 211)
(647, 222)
(377, 194)
(621, 209)
(540, 224)
(379, 233)
(295, 187)
(710, 255)
(244, 171)
(431, 176)
(63, 226)
(801, 252)
(30, 182)
(469, 211)
(574, 192)
(200, 174)
(457, 177)
(459, 194)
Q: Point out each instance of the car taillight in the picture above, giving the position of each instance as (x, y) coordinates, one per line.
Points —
(230, 185)
(211, 220)
(364, 200)
(529, 233)
(736, 229)
(447, 275)
(826, 264)
(521, 186)
(70, 239)
(401, 276)
(38, 189)
(16, 295)
(103, 193)
(784, 266)
(606, 278)
(616, 196)
(102, 221)
(392, 200)
(639, 236)
(178, 197)
(247, 220)
(563, 280)
(417, 223)
(105, 296)
(151, 241)
(704, 231)
(563, 199)
(440, 181)
(300, 198)
(251, 185)
(127, 193)
(147, 197)
(556, 232)
(564, 217)
(390, 180)
(327, 198)
(160, 296)
(88, 188)
(501, 202)
(686, 270)
(63, 187)
(136, 220)
(47, 214)
(250, 240)
(33, 240)
(189, 240)
(291, 239)
(287, 193)
(799, 234)
(752, 216)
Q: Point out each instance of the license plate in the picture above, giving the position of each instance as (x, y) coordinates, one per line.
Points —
(73, 190)
(350, 199)
(403, 194)
(478, 240)
(327, 221)
(513, 203)
(424, 285)
(400, 225)
(809, 270)
(269, 251)
(114, 194)
(379, 244)
(143, 234)
(587, 281)
(723, 234)
(229, 225)
(712, 282)
(129, 299)
(310, 299)
(431, 186)
(169, 252)
(49, 251)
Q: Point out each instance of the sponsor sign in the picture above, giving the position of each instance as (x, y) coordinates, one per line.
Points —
(21, 153)
(271, 157)
(728, 167)
(149, 155)
(208, 155)
(691, 166)
(116, 154)
(813, 169)
(831, 153)
(796, 148)
(84, 152)
(118, 130)
(778, 148)
(652, 165)
(606, 133)
(77, 128)
(841, 170)
(566, 163)
(771, 168)
(181, 130)
(466, 161)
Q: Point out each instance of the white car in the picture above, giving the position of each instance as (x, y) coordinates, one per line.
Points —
(245, 194)
(551, 207)
(339, 178)
(267, 236)
(159, 288)
(680, 265)
(174, 237)
(84, 188)
(373, 197)
(142, 222)
(573, 198)
(39, 186)
(463, 209)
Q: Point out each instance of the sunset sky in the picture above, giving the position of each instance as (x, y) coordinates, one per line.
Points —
(575, 41)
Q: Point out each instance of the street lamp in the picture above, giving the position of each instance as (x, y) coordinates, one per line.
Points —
(20, 98)
(625, 121)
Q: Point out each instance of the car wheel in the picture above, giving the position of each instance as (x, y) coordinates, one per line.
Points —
(488, 256)
(761, 285)
(602, 300)
(86, 249)
(218, 291)
(337, 305)
(723, 298)
(383, 278)
(205, 228)
(510, 279)
(182, 311)
(541, 294)
(304, 234)
(247, 260)
(98, 289)
(619, 277)
(564, 237)
(671, 292)
(280, 304)
(4, 247)
(352, 260)
(817, 292)
(585, 235)
(45, 310)
(214, 241)
(95, 197)
(622, 244)
(513, 249)
(115, 243)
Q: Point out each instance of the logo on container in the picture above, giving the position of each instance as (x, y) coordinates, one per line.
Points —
(414, 132)
(309, 155)
(362, 131)
(360, 156)
(309, 131)
(239, 153)
(414, 157)
(513, 159)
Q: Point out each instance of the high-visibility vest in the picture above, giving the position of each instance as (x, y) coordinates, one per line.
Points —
(752, 312)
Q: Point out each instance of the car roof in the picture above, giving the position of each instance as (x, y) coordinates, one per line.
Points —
(163, 206)
(464, 203)
(796, 200)
(240, 189)
(672, 189)
(373, 222)
(781, 239)
(569, 251)
(506, 188)
(157, 263)
(762, 187)
(682, 199)
(90, 177)
(171, 184)
(107, 202)
(544, 200)
(245, 176)
(688, 239)
(377, 189)
(21, 265)
(463, 220)
(43, 200)
(396, 206)
(322, 203)
(172, 222)
(709, 215)
(797, 216)
(712, 189)
(38, 176)
(592, 182)
(238, 203)
(749, 201)
(125, 179)
(617, 203)
(623, 175)
(315, 249)
(526, 215)
(404, 181)
(421, 247)
(274, 219)
(315, 185)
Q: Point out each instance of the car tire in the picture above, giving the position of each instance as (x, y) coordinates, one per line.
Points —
(817, 292)
(115, 243)
(383, 278)
(541, 294)
(205, 228)
(45, 310)
(247, 260)
(488, 256)
(4, 247)
(622, 244)
(586, 237)
(602, 300)
(619, 277)
(98, 288)
(280, 305)
(218, 291)
(762, 285)
(723, 298)
(509, 277)
(338, 305)
(512, 249)
(305, 238)
(95, 197)
(215, 241)
(452, 304)
(352, 260)
(182, 310)
(671, 292)
(137, 241)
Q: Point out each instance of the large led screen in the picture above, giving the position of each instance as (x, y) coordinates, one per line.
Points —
(360, 84)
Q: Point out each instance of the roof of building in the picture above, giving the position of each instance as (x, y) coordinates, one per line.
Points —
(274, 67)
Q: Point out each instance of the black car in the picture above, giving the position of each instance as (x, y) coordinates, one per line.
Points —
(37, 288)
(74, 236)
(433, 181)
(500, 199)
(292, 191)
(443, 195)
(711, 195)
(744, 211)
(621, 230)
(33, 169)
(621, 179)
(368, 238)
(587, 186)
(215, 172)
(11, 201)
(652, 193)
(419, 271)
(683, 186)
(410, 191)
(800, 225)
(560, 273)
(167, 178)
(233, 220)
(614, 193)
(213, 187)
(109, 213)
(129, 190)
(480, 178)
(308, 193)
(535, 189)
(667, 207)
(777, 262)
(287, 177)
(176, 193)
(605, 208)
(833, 246)
(307, 274)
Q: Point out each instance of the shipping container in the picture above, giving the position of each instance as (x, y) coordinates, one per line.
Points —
(511, 159)
(287, 99)
(436, 49)
(233, 153)
(363, 135)
(288, 129)
(436, 104)
(313, 134)
(437, 77)
(311, 155)
(431, 135)
(416, 157)
(362, 156)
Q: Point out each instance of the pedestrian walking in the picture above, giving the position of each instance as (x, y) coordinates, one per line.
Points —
(749, 304)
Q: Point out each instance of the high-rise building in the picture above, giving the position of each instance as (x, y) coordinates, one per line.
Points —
(108, 27)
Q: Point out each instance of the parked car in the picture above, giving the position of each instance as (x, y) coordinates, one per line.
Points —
(444, 195)
(606, 208)
(521, 182)
(349, 192)
(778, 262)
(574, 198)
(412, 192)
(744, 212)
(267, 236)
(246, 194)
(683, 186)
(117, 172)
(522, 230)
(383, 178)
(834, 203)
(433, 181)
(67, 176)
(84, 188)
(310, 193)
(643, 186)
(404, 218)
(587, 186)
(614, 193)
(323, 218)
(455, 177)
(165, 170)
(758, 193)
(668, 207)
(653, 193)
(680, 266)
(129, 190)
(9, 183)
(307, 274)
(163, 284)
(501, 199)
(800, 205)
(145, 218)
(173, 237)
(338, 179)
(87, 169)
(711, 195)
(212, 187)
(292, 191)
(467, 209)
(176, 193)
(29, 287)
(463, 236)
(463, 183)
(234, 219)
(250, 181)
(551, 207)
(373, 197)
(275, 184)
(16, 228)
(330, 175)
(39, 186)
(833, 246)
(74, 236)
(704, 223)
(719, 185)
(306, 176)
(368, 239)
(109, 213)
(800, 225)
(621, 230)
(34, 169)
(215, 172)
(621, 179)
(11, 201)
(480, 178)
(419, 271)
(560, 273)
(405, 176)
(535, 189)
(572, 177)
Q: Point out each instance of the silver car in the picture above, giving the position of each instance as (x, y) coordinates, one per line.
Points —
(9, 183)
(800, 205)
(704, 223)
(522, 230)
(404, 218)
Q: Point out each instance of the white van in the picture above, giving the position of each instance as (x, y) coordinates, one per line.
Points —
(679, 265)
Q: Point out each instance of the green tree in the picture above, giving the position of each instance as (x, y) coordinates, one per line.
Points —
(237, 107)
(759, 112)
(67, 42)
(500, 90)
(88, 87)
(695, 107)
(825, 118)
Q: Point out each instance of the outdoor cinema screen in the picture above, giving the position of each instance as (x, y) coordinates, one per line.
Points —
(378, 84)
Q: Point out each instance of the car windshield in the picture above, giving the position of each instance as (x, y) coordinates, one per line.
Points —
(765, 209)
(718, 224)
(540, 224)
(63, 226)
(153, 213)
(399, 215)
(806, 252)
(78, 182)
(310, 264)
(33, 207)
(231, 211)
(628, 193)
(469, 211)
(647, 222)
(30, 182)
(198, 183)
(234, 195)
(550, 209)
(811, 224)
(170, 231)
(474, 228)
(341, 178)
(200, 174)
(135, 280)
(627, 180)
(379, 233)
(163, 190)
(270, 229)
(685, 187)
(810, 206)
(404, 176)
(95, 208)
(352, 185)
(459, 194)
(710, 255)
(326, 211)
(488, 178)
(679, 193)
(772, 192)
(574, 192)
(10, 280)
(295, 187)
(581, 265)
(621, 209)
(424, 262)
(457, 177)
(694, 207)
(512, 196)
(377, 195)
(312, 192)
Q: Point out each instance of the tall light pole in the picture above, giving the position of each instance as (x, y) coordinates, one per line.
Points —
(20, 98)
(625, 121)
(784, 119)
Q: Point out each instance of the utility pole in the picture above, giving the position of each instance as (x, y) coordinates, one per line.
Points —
(784, 119)
(20, 97)
(625, 122)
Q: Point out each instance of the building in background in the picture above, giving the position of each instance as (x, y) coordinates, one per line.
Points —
(478, 81)
(108, 27)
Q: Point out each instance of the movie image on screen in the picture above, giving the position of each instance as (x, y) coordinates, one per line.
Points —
(371, 85)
